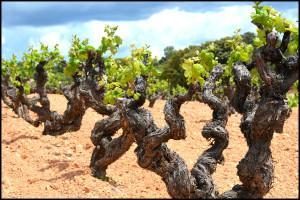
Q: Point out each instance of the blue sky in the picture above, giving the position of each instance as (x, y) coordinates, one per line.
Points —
(158, 24)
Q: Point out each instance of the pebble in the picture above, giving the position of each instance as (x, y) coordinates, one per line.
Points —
(68, 153)
(30, 181)
(56, 153)
(6, 182)
(54, 187)
(47, 187)
(86, 190)
(116, 190)
(30, 149)
(69, 158)
(64, 138)
(76, 165)
(79, 148)
(57, 145)
(87, 146)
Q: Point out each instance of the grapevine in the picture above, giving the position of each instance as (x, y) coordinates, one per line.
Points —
(255, 81)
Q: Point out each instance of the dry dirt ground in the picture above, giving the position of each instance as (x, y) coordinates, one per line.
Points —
(34, 165)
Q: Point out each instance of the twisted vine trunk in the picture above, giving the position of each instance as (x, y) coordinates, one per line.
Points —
(154, 155)
(152, 152)
(54, 123)
(7, 91)
(207, 162)
(261, 118)
(108, 150)
(81, 95)
(16, 99)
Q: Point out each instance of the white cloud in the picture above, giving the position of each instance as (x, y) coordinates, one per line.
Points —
(62, 35)
(51, 36)
(176, 27)
(3, 40)
(180, 28)
(169, 27)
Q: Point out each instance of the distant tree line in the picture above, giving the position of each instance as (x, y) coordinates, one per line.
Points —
(170, 63)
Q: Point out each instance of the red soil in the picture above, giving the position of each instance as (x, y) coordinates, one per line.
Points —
(34, 165)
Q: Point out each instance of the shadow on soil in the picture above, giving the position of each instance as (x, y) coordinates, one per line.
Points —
(19, 138)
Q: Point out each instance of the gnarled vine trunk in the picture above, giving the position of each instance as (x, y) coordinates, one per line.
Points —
(152, 152)
(81, 95)
(108, 150)
(16, 99)
(261, 118)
